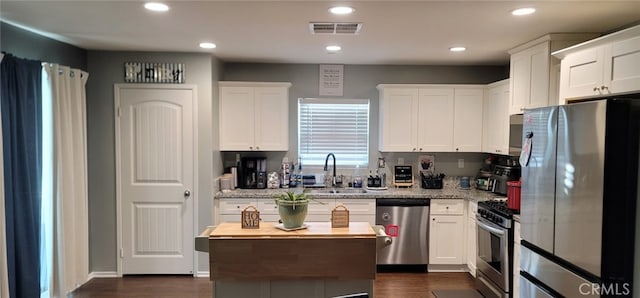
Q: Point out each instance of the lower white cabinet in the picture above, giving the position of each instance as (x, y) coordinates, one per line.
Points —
(472, 237)
(229, 209)
(359, 209)
(446, 232)
(516, 259)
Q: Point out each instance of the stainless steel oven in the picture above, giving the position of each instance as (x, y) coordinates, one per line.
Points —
(495, 249)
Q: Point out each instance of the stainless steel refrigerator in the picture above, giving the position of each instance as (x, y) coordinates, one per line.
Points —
(578, 200)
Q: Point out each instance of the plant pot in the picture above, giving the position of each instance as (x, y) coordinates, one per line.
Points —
(292, 213)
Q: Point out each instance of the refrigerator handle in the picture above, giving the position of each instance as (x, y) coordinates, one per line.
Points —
(525, 154)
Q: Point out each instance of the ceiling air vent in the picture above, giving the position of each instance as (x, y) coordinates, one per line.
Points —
(335, 28)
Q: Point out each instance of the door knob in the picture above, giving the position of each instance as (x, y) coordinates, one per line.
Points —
(187, 193)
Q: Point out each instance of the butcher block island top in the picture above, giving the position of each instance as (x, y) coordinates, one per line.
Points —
(313, 230)
(315, 253)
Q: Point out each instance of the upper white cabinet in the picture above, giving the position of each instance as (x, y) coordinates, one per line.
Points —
(398, 119)
(430, 118)
(534, 73)
(254, 116)
(467, 120)
(436, 111)
(603, 66)
(496, 118)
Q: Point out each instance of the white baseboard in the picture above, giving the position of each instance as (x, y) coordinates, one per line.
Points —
(447, 268)
(102, 274)
(202, 274)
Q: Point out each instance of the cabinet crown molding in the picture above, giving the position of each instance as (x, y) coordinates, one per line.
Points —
(253, 84)
(575, 37)
(387, 86)
(606, 39)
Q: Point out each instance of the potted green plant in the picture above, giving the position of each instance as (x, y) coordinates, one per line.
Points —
(292, 208)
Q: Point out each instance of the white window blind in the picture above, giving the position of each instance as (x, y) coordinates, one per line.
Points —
(338, 126)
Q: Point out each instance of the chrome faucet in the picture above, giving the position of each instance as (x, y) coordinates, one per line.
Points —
(326, 162)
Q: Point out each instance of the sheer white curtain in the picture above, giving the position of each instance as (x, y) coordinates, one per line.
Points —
(70, 267)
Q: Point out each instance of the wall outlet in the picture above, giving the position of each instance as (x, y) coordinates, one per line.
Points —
(460, 163)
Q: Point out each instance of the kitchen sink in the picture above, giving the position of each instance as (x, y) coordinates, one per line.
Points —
(334, 190)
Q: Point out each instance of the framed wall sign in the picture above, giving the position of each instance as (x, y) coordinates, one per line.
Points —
(140, 72)
(331, 80)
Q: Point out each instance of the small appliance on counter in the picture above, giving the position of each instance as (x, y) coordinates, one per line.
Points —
(431, 181)
(482, 179)
(403, 176)
(501, 175)
(253, 172)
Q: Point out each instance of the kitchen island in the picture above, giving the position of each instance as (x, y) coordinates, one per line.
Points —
(314, 262)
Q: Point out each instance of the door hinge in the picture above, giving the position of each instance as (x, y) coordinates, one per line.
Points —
(121, 253)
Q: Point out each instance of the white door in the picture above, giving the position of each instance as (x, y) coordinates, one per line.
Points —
(156, 179)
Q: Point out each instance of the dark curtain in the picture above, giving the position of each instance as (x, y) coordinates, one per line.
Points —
(21, 106)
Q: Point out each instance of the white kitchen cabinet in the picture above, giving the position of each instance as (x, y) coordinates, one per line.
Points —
(229, 210)
(472, 237)
(604, 66)
(446, 232)
(254, 116)
(516, 260)
(495, 137)
(435, 119)
(359, 209)
(467, 120)
(534, 73)
(398, 119)
(430, 118)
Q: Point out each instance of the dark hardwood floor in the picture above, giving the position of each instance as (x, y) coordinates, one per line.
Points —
(387, 285)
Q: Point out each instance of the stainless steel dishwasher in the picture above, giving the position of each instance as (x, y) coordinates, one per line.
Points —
(406, 221)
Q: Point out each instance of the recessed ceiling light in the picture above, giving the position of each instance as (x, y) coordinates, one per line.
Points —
(457, 49)
(333, 48)
(156, 6)
(523, 11)
(207, 45)
(341, 10)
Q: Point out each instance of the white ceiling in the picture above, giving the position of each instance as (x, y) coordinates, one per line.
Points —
(394, 32)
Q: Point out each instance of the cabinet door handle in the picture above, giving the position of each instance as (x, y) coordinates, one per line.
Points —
(596, 89)
(603, 87)
(420, 149)
(250, 147)
(414, 149)
(257, 147)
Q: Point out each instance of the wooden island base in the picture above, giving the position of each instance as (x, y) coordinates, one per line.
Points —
(315, 262)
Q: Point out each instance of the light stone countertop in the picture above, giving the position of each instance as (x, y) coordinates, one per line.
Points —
(415, 192)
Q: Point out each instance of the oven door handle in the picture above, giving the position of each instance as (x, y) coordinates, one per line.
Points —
(489, 227)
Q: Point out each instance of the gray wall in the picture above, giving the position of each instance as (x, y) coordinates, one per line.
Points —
(106, 69)
(360, 81)
(25, 44)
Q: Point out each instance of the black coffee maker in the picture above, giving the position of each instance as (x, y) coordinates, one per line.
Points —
(253, 172)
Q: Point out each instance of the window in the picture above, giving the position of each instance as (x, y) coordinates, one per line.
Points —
(340, 126)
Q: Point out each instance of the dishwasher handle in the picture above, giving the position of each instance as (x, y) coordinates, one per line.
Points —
(403, 202)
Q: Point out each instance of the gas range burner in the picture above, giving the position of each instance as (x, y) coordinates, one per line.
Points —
(496, 211)
(498, 206)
